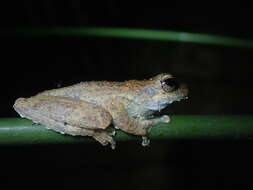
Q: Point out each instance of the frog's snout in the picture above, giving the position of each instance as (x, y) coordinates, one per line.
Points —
(183, 92)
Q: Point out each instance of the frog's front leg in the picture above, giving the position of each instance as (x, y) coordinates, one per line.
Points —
(123, 121)
(67, 116)
(157, 120)
(149, 123)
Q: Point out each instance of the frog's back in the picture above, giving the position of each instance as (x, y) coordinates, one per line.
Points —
(95, 91)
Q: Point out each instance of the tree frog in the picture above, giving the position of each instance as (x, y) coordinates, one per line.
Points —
(89, 108)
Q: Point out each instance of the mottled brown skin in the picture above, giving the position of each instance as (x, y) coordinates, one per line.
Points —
(88, 108)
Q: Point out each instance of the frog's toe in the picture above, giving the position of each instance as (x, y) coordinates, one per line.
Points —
(104, 138)
(145, 141)
(165, 119)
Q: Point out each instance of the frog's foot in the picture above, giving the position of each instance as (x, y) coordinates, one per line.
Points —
(101, 136)
(104, 138)
(145, 141)
(113, 133)
(165, 119)
(162, 119)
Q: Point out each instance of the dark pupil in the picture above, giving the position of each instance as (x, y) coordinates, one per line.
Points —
(173, 83)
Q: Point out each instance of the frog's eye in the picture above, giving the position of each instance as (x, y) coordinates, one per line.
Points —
(170, 84)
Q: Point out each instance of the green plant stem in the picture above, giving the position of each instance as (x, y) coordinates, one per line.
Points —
(144, 34)
(17, 131)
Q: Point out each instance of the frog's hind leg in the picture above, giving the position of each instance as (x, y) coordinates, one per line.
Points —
(67, 116)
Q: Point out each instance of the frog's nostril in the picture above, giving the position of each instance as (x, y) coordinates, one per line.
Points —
(170, 84)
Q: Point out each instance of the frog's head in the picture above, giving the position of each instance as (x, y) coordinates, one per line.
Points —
(161, 91)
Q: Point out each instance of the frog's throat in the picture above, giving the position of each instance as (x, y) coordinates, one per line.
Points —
(161, 104)
(156, 106)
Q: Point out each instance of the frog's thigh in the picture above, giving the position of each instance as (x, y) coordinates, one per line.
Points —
(67, 116)
(63, 112)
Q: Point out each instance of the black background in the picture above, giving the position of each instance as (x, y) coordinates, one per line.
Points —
(219, 79)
